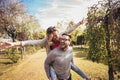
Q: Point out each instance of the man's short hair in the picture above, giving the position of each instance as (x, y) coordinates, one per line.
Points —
(51, 29)
(67, 35)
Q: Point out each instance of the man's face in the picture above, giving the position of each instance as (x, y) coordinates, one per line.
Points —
(55, 36)
(64, 41)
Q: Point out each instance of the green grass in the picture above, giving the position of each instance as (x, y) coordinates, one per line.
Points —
(6, 64)
(97, 71)
(80, 52)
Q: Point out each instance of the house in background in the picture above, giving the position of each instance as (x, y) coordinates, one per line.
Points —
(5, 38)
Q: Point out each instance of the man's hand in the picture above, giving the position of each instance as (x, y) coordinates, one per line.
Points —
(88, 78)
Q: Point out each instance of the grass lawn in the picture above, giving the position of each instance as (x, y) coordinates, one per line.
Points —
(5, 64)
(96, 71)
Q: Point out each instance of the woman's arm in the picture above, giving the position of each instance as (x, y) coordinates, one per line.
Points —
(6, 45)
(40, 42)
(49, 39)
(74, 27)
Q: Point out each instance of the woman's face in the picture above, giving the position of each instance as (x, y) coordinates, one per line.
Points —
(55, 36)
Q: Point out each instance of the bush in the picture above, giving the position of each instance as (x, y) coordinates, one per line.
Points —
(14, 57)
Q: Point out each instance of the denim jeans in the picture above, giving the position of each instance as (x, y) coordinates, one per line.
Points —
(70, 78)
(52, 74)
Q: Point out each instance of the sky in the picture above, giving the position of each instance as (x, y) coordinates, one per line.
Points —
(50, 12)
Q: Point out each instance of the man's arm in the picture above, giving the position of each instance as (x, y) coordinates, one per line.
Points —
(48, 62)
(78, 71)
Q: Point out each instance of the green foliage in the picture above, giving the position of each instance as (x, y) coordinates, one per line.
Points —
(39, 34)
(97, 35)
(74, 33)
(10, 13)
(31, 49)
(96, 42)
(14, 57)
(80, 39)
(14, 20)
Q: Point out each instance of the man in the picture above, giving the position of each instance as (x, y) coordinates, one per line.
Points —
(60, 59)
(53, 42)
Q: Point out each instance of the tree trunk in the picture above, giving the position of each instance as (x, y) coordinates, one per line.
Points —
(23, 53)
(110, 66)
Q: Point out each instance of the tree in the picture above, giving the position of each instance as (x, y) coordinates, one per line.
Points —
(80, 39)
(102, 34)
(15, 22)
(39, 34)
(10, 10)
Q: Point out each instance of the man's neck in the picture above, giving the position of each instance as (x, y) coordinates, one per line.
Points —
(64, 49)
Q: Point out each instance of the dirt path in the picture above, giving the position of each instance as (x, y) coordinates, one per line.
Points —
(31, 69)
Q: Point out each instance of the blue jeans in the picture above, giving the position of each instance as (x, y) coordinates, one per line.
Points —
(53, 74)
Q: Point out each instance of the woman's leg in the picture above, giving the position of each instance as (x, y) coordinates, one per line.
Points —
(53, 74)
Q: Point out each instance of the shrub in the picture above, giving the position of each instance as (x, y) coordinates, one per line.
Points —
(14, 57)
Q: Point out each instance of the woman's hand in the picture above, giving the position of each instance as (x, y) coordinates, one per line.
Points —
(50, 37)
(5, 45)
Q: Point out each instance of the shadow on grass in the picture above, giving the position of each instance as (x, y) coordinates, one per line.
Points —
(6, 63)
(80, 54)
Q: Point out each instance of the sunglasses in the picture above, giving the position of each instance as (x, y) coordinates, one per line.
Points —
(62, 39)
